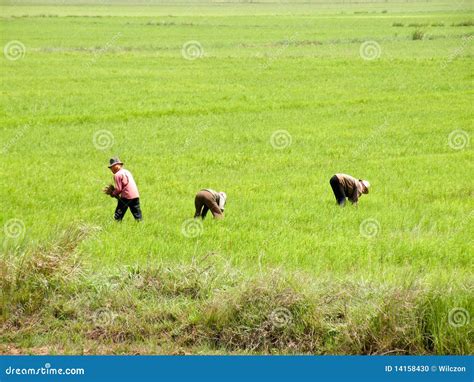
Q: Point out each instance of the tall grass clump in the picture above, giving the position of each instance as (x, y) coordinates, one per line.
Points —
(38, 284)
(31, 276)
(273, 315)
(417, 34)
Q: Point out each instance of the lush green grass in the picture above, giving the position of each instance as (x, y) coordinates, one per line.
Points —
(181, 125)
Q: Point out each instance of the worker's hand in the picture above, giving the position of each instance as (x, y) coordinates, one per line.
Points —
(109, 190)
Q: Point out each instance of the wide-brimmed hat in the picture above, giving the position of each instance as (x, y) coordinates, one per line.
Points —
(113, 161)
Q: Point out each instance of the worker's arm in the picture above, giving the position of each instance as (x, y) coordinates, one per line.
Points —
(354, 198)
(118, 180)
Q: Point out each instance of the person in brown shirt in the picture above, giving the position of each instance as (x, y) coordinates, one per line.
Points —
(346, 186)
(208, 199)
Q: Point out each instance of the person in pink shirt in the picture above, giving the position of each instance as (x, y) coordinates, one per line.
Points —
(125, 191)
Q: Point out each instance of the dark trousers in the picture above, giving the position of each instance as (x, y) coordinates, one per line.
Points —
(204, 202)
(338, 190)
(124, 204)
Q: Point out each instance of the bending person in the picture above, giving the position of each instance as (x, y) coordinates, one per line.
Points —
(208, 199)
(346, 186)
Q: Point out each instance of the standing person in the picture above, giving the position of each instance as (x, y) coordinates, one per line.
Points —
(346, 186)
(208, 199)
(125, 191)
